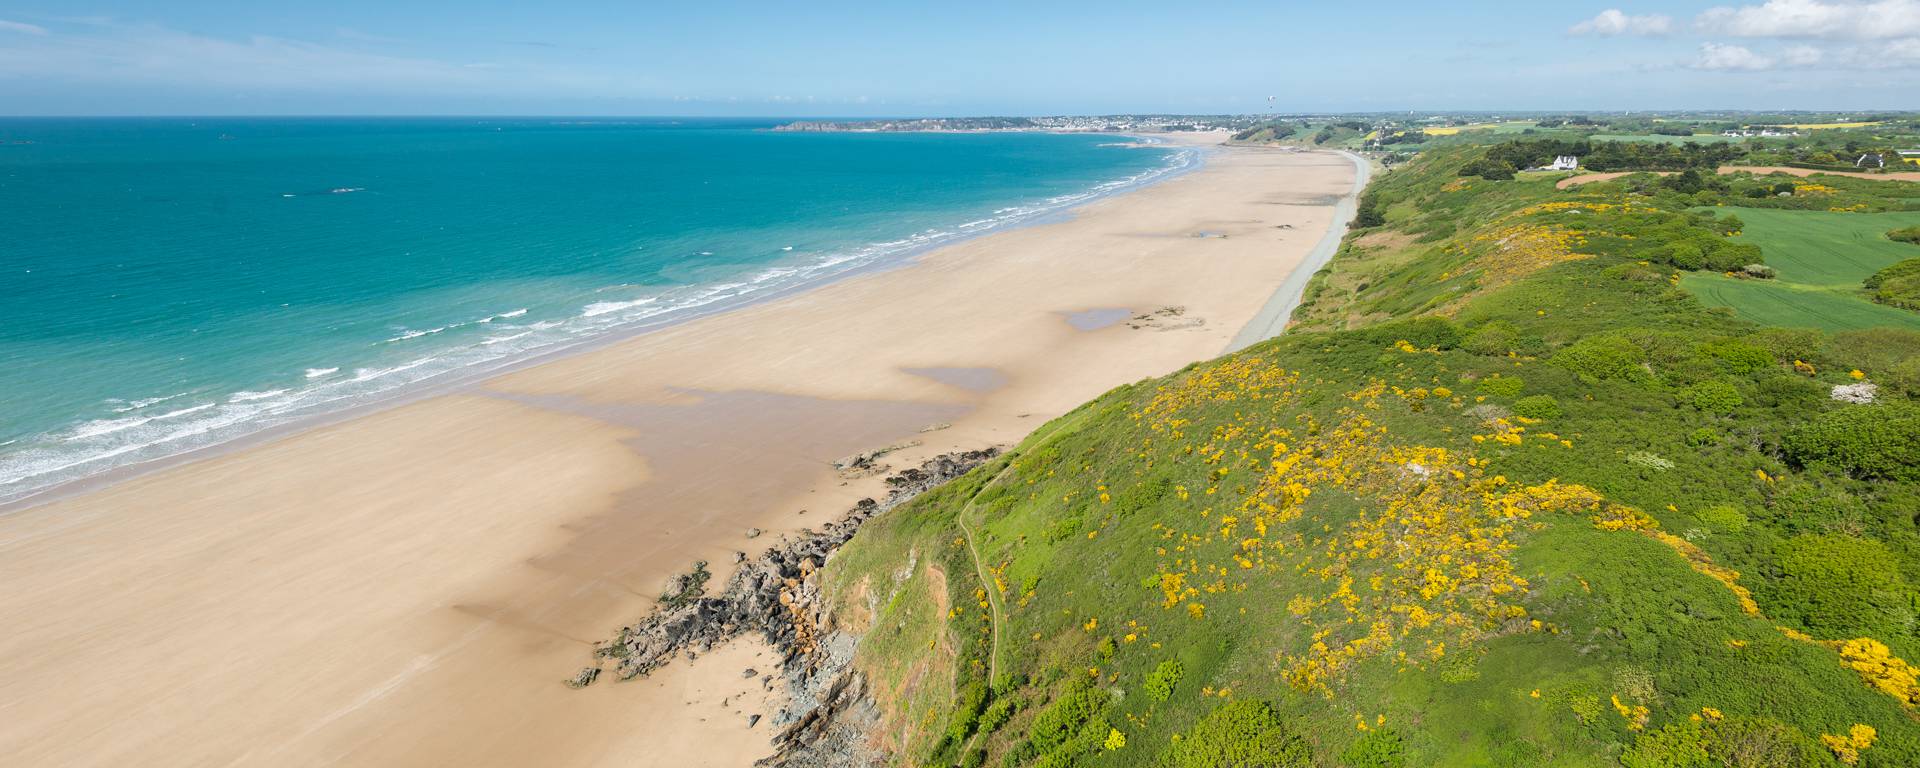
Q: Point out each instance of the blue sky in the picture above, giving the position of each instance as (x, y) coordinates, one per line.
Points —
(832, 58)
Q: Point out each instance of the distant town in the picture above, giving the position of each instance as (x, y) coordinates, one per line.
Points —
(1879, 141)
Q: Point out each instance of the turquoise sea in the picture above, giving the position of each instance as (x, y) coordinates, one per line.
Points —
(176, 283)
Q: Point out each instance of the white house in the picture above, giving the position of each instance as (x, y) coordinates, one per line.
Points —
(1565, 163)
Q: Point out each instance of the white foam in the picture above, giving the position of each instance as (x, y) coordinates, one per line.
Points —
(406, 335)
(139, 404)
(141, 435)
(599, 308)
(101, 427)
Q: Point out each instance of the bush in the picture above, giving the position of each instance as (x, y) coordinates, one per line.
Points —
(1377, 749)
(1713, 396)
(1724, 742)
(1240, 734)
(1537, 407)
(1725, 518)
(1728, 256)
(1499, 337)
(1873, 441)
(1838, 587)
(998, 713)
(1163, 678)
(1908, 235)
(1897, 285)
(1604, 357)
(966, 710)
(1739, 357)
(1502, 386)
(1686, 256)
(1064, 718)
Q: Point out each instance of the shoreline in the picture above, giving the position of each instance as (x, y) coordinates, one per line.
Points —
(413, 585)
(461, 379)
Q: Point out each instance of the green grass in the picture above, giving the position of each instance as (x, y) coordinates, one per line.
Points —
(1820, 259)
(1380, 400)
(1790, 305)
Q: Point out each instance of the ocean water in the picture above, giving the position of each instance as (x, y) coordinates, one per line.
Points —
(172, 284)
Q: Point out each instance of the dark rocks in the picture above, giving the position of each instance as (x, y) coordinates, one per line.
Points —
(584, 677)
(777, 595)
(772, 593)
(753, 720)
(749, 672)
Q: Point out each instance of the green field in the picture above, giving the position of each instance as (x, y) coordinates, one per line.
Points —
(1821, 259)
(1698, 139)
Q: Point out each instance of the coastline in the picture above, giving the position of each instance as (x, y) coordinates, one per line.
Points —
(460, 379)
(411, 585)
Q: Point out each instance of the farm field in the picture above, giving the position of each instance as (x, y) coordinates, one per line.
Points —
(1821, 258)
(1711, 138)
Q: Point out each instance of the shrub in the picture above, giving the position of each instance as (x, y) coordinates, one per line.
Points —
(1499, 337)
(1537, 407)
(1604, 357)
(1739, 357)
(966, 709)
(1717, 741)
(1163, 678)
(1502, 386)
(1725, 518)
(1873, 441)
(1713, 396)
(1838, 587)
(1686, 256)
(1650, 461)
(1897, 285)
(1728, 256)
(1240, 734)
(1064, 718)
(1908, 235)
(1379, 748)
(998, 713)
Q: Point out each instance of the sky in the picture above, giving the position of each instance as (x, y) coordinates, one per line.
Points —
(852, 59)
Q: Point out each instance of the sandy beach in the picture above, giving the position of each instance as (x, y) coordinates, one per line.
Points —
(411, 586)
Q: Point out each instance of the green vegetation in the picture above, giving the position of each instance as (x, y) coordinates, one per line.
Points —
(1821, 260)
(1907, 235)
(1897, 286)
(1511, 493)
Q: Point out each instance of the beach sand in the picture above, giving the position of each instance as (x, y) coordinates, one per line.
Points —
(411, 586)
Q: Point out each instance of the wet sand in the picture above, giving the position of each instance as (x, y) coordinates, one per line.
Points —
(411, 586)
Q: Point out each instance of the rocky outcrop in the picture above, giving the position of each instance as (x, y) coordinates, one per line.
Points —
(777, 594)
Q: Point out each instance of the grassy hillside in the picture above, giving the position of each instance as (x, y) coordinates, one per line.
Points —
(1509, 495)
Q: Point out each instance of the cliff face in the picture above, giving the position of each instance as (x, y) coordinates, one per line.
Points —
(777, 595)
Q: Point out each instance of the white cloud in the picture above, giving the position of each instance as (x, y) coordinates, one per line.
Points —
(1720, 56)
(1614, 22)
(22, 28)
(1816, 19)
(1804, 56)
(146, 54)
